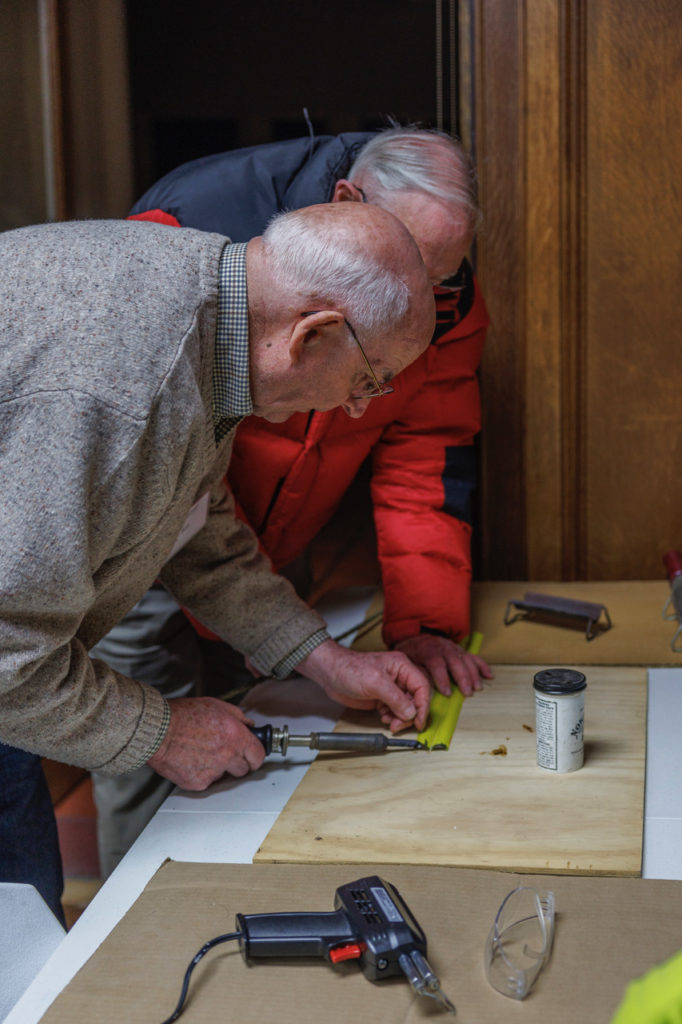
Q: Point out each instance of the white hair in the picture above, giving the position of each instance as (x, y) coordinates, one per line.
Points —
(422, 160)
(332, 267)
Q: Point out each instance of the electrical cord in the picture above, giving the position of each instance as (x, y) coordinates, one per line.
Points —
(195, 960)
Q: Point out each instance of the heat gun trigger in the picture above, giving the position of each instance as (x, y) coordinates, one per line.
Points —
(421, 977)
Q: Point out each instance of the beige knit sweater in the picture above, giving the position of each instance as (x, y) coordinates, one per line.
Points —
(106, 441)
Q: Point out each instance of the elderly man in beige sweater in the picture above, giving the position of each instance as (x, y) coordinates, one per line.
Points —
(129, 353)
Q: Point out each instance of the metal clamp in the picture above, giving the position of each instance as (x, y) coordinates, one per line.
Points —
(678, 633)
(534, 604)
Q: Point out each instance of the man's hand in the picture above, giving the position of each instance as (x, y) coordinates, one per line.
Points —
(442, 658)
(206, 739)
(387, 682)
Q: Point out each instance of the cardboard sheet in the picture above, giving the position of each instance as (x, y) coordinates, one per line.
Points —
(639, 636)
(484, 802)
(608, 931)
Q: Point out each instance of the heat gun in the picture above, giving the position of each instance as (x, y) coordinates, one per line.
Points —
(370, 923)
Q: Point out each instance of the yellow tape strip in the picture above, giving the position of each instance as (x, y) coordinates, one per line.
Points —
(444, 711)
(472, 643)
(443, 715)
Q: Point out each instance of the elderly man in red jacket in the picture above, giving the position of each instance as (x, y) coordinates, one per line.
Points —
(289, 478)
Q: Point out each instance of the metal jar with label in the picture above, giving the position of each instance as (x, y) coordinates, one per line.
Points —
(559, 718)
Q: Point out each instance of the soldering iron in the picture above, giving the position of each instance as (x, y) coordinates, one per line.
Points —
(276, 740)
(370, 923)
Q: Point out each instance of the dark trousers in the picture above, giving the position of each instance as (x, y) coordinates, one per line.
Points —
(29, 847)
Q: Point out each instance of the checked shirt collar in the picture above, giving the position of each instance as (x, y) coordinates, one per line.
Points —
(231, 390)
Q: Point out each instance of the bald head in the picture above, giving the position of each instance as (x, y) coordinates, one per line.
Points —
(328, 286)
(355, 258)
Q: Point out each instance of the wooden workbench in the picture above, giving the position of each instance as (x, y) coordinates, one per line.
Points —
(483, 803)
(639, 634)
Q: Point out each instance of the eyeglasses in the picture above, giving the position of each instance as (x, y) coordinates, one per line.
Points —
(446, 289)
(368, 391)
(450, 286)
(520, 940)
(379, 389)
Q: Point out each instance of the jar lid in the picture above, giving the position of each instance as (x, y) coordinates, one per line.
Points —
(556, 681)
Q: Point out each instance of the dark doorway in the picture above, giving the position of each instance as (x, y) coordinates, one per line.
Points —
(213, 75)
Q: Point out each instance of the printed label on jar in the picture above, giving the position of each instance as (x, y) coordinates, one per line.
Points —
(559, 723)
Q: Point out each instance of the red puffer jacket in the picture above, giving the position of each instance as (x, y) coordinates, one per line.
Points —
(289, 477)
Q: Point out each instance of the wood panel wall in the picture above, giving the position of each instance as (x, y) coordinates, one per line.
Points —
(64, 111)
(96, 108)
(576, 114)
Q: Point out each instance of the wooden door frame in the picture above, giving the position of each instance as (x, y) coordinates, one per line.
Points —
(86, 108)
(523, 95)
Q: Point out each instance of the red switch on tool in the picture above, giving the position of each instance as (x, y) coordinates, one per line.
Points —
(351, 952)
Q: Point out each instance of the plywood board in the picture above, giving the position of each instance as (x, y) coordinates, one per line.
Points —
(639, 636)
(470, 807)
(609, 930)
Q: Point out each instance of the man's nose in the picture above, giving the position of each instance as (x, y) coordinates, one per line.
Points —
(355, 407)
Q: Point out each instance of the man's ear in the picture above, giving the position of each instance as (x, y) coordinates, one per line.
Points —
(311, 331)
(346, 192)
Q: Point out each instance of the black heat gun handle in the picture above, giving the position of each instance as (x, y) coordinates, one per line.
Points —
(312, 935)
